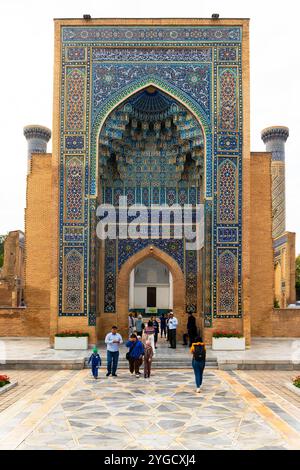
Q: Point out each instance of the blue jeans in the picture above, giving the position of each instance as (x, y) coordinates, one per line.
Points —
(112, 360)
(198, 367)
(95, 371)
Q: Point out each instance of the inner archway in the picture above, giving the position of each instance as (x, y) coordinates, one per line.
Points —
(150, 288)
(123, 285)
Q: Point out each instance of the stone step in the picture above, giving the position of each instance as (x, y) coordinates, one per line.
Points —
(164, 363)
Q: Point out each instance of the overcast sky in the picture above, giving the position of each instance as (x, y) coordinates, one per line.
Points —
(26, 38)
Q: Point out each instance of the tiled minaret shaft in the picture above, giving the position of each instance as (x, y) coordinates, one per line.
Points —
(274, 138)
(37, 138)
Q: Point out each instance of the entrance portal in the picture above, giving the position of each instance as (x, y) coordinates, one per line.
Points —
(151, 288)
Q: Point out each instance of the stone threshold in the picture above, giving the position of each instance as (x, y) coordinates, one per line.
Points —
(222, 364)
(54, 364)
(258, 364)
(8, 387)
(292, 388)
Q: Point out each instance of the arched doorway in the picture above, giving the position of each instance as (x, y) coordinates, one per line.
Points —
(151, 151)
(123, 285)
(150, 288)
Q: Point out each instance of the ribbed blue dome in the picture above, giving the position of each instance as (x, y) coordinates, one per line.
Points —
(151, 102)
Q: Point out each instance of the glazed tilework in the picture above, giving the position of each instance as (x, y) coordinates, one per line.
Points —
(227, 189)
(75, 54)
(73, 278)
(94, 83)
(74, 142)
(227, 293)
(165, 54)
(74, 188)
(175, 34)
(75, 98)
(193, 80)
(174, 248)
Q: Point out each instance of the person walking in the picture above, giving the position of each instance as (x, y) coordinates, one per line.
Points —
(149, 334)
(95, 361)
(191, 328)
(163, 325)
(135, 354)
(148, 355)
(139, 325)
(173, 323)
(113, 341)
(131, 324)
(156, 331)
(167, 326)
(198, 362)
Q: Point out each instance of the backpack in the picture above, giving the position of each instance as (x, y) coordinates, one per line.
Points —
(199, 352)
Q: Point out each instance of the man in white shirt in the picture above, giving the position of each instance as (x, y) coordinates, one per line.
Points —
(172, 325)
(113, 341)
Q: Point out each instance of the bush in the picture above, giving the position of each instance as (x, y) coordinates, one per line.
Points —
(71, 333)
(4, 380)
(227, 334)
(296, 381)
(276, 303)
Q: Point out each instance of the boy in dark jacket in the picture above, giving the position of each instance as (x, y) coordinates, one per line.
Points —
(95, 359)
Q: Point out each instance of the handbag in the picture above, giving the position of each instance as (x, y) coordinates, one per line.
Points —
(130, 350)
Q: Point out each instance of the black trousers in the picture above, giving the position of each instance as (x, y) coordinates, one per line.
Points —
(172, 338)
(192, 335)
(185, 339)
(134, 365)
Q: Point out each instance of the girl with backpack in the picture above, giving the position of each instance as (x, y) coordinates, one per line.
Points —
(199, 354)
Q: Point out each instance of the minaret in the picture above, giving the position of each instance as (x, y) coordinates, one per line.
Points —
(37, 138)
(274, 138)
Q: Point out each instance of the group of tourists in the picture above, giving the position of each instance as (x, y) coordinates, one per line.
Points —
(166, 325)
(138, 352)
(142, 343)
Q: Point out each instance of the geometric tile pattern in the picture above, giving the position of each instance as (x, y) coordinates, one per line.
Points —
(153, 34)
(227, 192)
(226, 286)
(73, 280)
(71, 410)
(75, 98)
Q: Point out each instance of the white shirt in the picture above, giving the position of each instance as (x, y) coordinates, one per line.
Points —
(109, 340)
(172, 324)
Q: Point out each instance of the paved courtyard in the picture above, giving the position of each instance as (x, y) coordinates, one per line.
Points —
(70, 410)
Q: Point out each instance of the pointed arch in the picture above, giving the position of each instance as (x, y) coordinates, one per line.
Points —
(123, 277)
(129, 90)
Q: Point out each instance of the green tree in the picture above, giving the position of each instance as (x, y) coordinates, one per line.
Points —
(2, 239)
(298, 272)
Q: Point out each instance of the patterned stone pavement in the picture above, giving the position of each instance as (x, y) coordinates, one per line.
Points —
(70, 410)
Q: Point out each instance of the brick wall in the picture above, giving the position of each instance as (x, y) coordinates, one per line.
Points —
(286, 322)
(262, 270)
(38, 232)
(34, 319)
(24, 321)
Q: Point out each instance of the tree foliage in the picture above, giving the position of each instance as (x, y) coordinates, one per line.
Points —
(2, 239)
